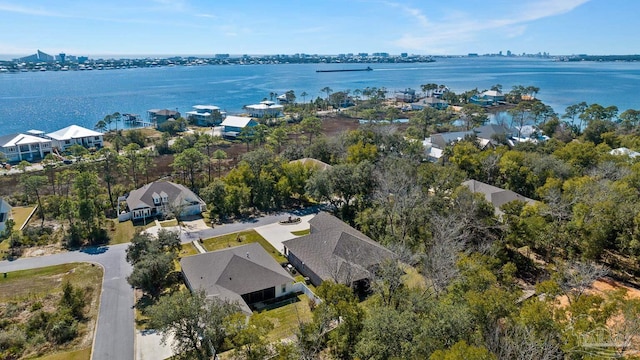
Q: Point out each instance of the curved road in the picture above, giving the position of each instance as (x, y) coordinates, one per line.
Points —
(114, 337)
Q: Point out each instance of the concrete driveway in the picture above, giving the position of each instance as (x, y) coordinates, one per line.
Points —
(276, 233)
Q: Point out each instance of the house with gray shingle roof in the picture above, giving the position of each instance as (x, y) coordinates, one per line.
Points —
(335, 251)
(495, 195)
(160, 198)
(243, 274)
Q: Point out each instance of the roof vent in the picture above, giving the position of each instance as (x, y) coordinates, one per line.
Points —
(247, 255)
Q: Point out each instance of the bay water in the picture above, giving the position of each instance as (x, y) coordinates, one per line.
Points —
(52, 100)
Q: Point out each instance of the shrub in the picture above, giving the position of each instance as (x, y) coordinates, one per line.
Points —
(12, 342)
(62, 327)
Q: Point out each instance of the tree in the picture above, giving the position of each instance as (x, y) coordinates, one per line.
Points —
(304, 96)
(473, 115)
(575, 110)
(311, 125)
(219, 155)
(108, 120)
(196, 324)
(101, 126)
(131, 155)
(327, 90)
(462, 350)
(206, 143)
(190, 162)
(116, 118)
(32, 185)
(110, 168)
(151, 273)
(630, 119)
(290, 96)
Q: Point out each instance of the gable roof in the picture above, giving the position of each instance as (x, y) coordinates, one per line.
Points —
(335, 249)
(489, 130)
(495, 195)
(176, 193)
(236, 121)
(233, 272)
(4, 206)
(315, 163)
(73, 132)
(20, 139)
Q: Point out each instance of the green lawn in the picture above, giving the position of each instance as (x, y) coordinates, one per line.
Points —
(123, 232)
(20, 215)
(242, 238)
(301, 232)
(187, 250)
(169, 223)
(286, 318)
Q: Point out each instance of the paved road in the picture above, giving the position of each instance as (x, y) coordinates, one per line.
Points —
(115, 331)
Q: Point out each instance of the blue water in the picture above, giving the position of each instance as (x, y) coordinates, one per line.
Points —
(51, 100)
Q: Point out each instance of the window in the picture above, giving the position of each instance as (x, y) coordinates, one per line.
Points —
(284, 288)
(97, 138)
(67, 142)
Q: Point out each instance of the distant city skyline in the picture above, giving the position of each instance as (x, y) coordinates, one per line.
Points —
(204, 28)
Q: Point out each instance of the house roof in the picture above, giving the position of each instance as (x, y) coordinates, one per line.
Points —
(206, 107)
(489, 130)
(176, 193)
(236, 121)
(73, 132)
(4, 206)
(20, 139)
(320, 165)
(495, 195)
(625, 151)
(492, 93)
(336, 250)
(449, 137)
(233, 272)
(163, 112)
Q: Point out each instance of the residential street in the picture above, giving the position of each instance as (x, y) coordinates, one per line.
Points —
(115, 330)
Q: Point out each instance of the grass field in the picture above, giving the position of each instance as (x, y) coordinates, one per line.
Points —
(169, 223)
(23, 289)
(242, 238)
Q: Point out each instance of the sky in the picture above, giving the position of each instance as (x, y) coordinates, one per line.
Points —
(426, 27)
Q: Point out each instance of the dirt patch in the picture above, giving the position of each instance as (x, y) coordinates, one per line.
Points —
(36, 251)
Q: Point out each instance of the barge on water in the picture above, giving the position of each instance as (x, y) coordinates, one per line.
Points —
(368, 68)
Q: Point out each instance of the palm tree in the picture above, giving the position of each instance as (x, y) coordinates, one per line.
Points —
(116, 117)
(108, 120)
(101, 126)
(327, 90)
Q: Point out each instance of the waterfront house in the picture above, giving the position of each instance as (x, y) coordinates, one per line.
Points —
(18, 147)
(245, 274)
(159, 199)
(335, 251)
(487, 98)
(5, 214)
(233, 125)
(432, 102)
(74, 134)
(159, 116)
(265, 108)
(407, 96)
(205, 115)
(495, 195)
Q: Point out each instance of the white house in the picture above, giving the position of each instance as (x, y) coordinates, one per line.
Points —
(264, 108)
(74, 134)
(233, 125)
(18, 147)
(206, 115)
(160, 198)
(5, 213)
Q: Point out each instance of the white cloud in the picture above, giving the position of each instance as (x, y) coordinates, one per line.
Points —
(462, 27)
(36, 11)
